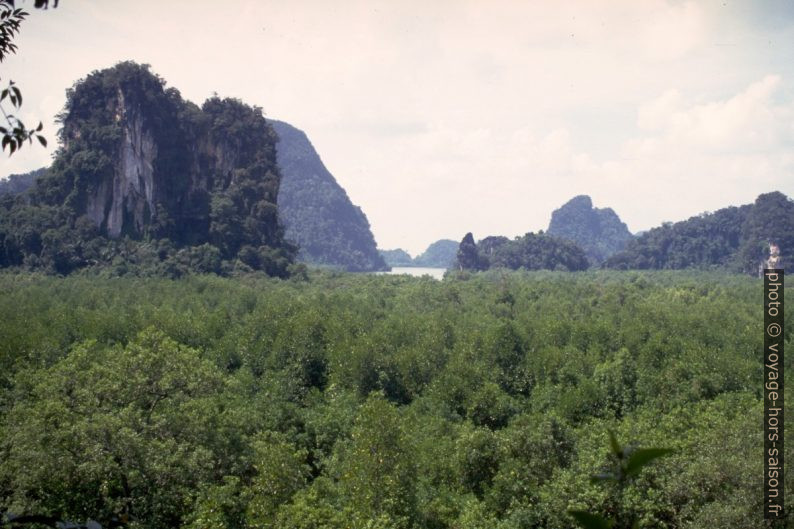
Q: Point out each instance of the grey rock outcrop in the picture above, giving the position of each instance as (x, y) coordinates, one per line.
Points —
(599, 231)
(130, 193)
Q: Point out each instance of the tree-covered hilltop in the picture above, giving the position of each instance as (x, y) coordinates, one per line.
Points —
(19, 183)
(599, 231)
(148, 182)
(375, 401)
(440, 254)
(533, 251)
(317, 214)
(397, 257)
(735, 238)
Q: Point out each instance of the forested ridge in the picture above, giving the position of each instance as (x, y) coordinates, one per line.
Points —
(735, 239)
(344, 400)
(18, 183)
(732, 238)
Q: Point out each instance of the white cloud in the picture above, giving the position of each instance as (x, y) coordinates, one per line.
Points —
(688, 158)
(750, 121)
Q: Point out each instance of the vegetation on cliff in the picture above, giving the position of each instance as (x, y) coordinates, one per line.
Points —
(146, 182)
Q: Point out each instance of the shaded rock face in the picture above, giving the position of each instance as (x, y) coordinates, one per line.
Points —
(127, 152)
(316, 212)
(599, 231)
(129, 195)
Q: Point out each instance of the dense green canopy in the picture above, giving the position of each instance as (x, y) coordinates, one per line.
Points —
(380, 401)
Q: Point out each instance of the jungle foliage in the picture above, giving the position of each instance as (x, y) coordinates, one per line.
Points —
(339, 400)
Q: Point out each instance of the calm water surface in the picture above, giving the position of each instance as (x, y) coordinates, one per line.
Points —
(435, 273)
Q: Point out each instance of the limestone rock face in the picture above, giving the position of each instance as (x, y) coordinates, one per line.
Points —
(147, 181)
(141, 162)
(468, 258)
(129, 195)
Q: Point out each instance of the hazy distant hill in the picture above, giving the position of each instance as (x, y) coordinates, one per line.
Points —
(19, 183)
(397, 257)
(599, 231)
(317, 213)
(735, 238)
(440, 254)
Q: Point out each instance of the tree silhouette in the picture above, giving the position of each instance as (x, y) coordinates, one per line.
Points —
(14, 132)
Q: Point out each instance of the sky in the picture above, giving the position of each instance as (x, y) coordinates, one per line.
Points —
(448, 116)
